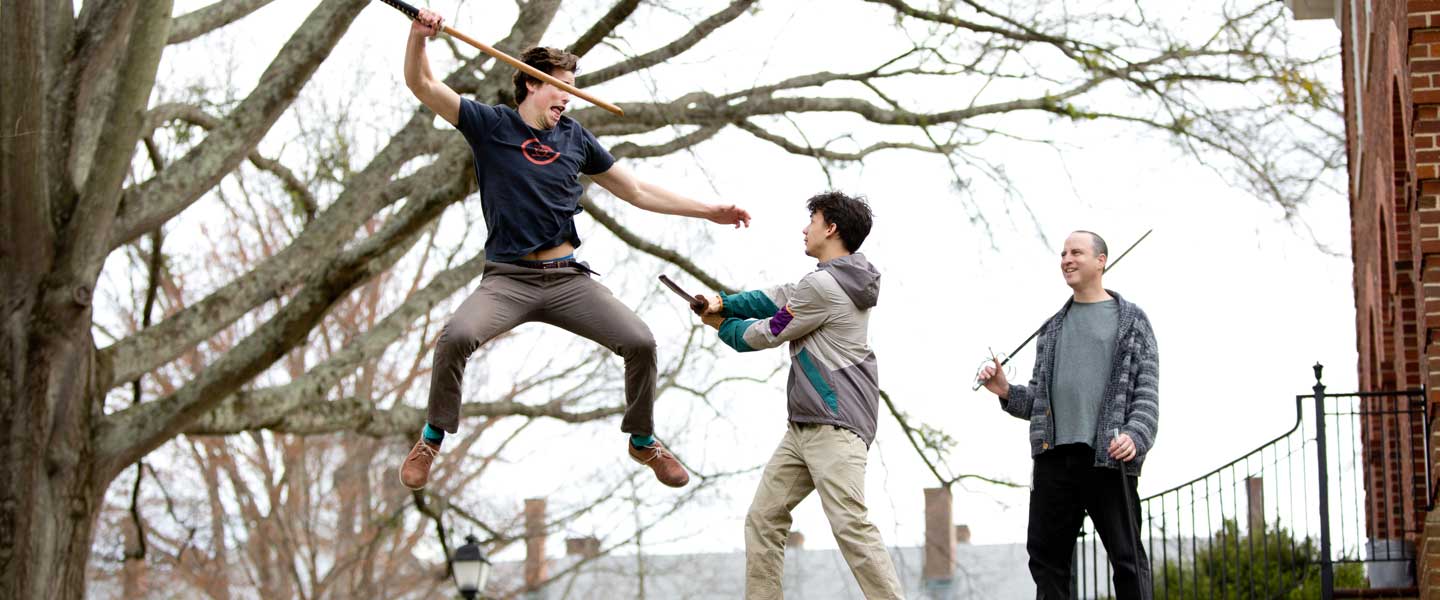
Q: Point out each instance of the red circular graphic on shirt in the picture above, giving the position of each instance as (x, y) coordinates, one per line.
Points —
(537, 152)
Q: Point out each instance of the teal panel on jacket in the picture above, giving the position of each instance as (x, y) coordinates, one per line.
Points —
(821, 386)
(732, 332)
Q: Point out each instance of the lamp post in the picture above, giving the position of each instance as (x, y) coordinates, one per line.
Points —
(471, 567)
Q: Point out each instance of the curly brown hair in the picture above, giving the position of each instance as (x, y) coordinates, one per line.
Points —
(547, 60)
(850, 215)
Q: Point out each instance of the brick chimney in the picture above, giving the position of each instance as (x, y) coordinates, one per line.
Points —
(962, 534)
(583, 547)
(939, 535)
(535, 564)
(796, 541)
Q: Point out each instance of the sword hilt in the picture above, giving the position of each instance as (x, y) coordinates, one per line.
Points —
(981, 382)
(404, 7)
(697, 302)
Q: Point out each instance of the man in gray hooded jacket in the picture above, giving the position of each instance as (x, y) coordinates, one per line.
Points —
(833, 398)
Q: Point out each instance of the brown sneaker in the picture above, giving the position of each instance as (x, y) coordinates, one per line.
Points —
(415, 471)
(667, 469)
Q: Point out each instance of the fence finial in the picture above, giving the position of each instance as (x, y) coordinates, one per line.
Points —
(1318, 369)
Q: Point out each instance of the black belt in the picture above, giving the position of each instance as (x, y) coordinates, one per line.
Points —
(808, 425)
(568, 263)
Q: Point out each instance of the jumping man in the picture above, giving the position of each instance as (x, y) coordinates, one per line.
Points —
(528, 162)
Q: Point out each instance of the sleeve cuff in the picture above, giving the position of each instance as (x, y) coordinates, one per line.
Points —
(732, 332)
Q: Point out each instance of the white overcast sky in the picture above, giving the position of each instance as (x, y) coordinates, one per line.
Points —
(1241, 301)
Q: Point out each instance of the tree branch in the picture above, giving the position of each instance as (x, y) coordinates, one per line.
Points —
(205, 20)
(171, 191)
(659, 55)
(645, 117)
(365, 193)
(89, 81)
(273, 404)
(604, 27)
(152, 291)
(635, 241)
(82, 245)
(1019, 34)
(633, 150)
(359, 416)
(194, 115)
(826, 154)
(126, 436)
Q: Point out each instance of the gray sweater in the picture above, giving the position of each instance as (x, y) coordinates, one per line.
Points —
(1132, 397)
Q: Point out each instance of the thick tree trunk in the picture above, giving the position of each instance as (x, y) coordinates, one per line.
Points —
(51, 383)
(49, 505)
(57, 543)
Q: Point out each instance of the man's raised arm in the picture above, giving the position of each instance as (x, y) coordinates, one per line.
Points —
(432, 92)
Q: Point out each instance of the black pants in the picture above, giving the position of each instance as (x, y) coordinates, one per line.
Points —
(1067, 486)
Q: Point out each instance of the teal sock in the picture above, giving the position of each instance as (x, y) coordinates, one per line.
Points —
(641, 441)
(433, 435)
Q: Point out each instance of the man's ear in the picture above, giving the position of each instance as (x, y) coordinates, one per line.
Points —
(832, 230)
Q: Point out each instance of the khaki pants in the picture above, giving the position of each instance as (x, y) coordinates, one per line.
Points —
(566, 298)
(831, 461)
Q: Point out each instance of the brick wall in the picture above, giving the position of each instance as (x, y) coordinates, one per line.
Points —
(1416, 175)
(1427, 567)
(1391, 61)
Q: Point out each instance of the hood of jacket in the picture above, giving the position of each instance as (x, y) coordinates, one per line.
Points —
(857, 277)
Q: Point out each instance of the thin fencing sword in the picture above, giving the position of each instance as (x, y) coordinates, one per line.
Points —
(413, 13)
(979, 382)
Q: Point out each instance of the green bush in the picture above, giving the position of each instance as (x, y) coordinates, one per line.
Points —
(1268, 564)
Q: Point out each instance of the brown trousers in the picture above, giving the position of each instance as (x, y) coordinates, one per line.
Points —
(566, 298)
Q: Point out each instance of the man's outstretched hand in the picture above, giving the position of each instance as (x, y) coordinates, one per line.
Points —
(729, 214)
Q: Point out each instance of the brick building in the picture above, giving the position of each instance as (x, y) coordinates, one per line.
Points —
(1390, 52)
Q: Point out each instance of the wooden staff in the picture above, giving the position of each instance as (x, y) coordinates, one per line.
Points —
(413, 13)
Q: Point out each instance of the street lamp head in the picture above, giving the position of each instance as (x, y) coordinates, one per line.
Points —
(472, 569)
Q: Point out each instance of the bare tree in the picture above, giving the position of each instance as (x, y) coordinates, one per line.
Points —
(77, 111)
(320, 515)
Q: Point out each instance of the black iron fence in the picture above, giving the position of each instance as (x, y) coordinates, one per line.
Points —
(1330, 508)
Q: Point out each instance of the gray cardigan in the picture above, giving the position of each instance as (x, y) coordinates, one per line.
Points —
(1132, 397)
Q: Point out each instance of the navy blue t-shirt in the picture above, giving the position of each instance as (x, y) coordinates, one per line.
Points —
(529, 178)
